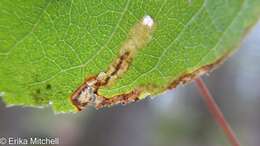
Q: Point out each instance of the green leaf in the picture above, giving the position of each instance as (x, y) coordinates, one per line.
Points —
(49, 47)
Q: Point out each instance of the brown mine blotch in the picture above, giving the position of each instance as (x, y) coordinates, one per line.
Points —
(121, 60)
(120, 99)
(74, 98)
(188, 77)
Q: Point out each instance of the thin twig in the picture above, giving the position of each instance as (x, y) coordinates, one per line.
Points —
(216, 112)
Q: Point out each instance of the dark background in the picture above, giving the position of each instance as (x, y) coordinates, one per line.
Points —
(178, 117)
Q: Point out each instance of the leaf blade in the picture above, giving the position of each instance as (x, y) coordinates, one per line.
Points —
(55, 45)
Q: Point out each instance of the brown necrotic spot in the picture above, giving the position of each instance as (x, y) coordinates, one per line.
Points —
(48, 87)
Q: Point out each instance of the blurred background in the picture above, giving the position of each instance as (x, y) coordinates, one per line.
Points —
(177, 118)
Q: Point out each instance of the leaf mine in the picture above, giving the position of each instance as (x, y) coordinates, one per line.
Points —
(49, 55)
(87, 94)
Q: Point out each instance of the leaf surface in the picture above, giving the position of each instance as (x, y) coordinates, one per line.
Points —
(48, 48)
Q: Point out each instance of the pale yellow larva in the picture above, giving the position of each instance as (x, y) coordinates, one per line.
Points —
(139, 35)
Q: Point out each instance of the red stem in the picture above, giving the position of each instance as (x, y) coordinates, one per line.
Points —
(216, 112)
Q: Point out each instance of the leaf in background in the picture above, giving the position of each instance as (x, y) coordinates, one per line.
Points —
(49, 47)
